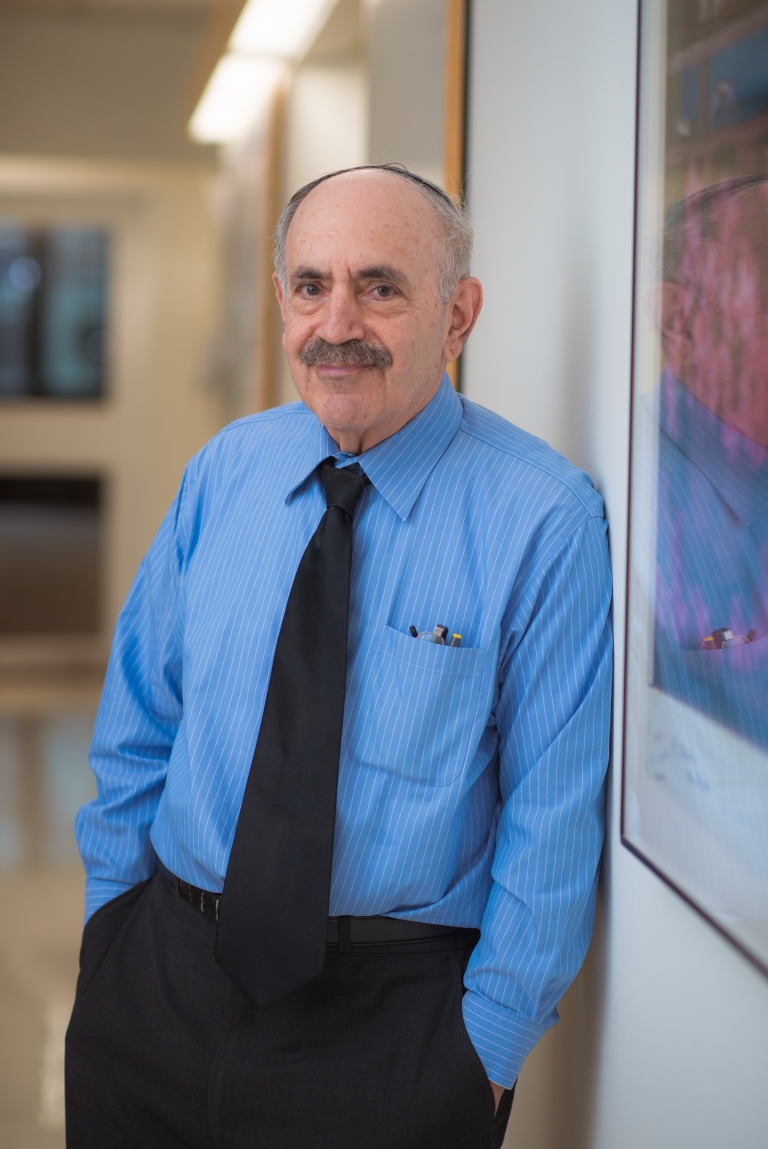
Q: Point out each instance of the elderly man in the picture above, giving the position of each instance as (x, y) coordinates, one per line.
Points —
(712, 407)
(353, 738)
(698, 801)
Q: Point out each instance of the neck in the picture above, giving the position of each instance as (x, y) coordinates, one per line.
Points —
(355, 440)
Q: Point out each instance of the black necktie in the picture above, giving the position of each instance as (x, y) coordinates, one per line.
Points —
(273, 913)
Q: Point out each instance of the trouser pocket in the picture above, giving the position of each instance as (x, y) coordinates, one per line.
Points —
(501, 1119)
(505, 1104)
(145, 1026)
(100, 932)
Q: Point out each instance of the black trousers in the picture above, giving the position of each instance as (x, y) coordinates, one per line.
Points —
(163, 1051)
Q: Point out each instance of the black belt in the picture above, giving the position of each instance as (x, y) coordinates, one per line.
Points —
(203, 901)
(344, 932)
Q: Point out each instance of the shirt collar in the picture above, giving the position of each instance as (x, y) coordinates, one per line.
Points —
(736, 466)
(399, 466)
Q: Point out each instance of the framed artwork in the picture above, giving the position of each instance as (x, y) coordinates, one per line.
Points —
(695, 781)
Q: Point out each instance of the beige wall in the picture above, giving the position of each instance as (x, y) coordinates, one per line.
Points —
(407, 84)
(163, 303)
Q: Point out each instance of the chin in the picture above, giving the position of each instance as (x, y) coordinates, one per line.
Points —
(346, 412)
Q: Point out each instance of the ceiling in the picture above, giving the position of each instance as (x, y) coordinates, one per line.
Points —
(102, 78)
(140, 8)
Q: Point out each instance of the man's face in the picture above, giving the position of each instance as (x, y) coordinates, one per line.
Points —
(717, 325)
(365, 331)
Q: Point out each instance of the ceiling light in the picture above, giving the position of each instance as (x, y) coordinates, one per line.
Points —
(283, 28)
(237, 93)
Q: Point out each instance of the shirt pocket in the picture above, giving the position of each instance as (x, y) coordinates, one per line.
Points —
(416, 710)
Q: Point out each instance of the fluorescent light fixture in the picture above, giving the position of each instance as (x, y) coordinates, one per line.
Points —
(284, 28)
(237, 93)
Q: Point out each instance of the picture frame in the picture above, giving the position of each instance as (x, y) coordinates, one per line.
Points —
(694, 804)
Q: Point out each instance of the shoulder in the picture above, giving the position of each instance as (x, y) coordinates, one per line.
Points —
(250, 439)
(278, 425)
(527, 462)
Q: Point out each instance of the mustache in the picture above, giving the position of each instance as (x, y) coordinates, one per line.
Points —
(353, 353)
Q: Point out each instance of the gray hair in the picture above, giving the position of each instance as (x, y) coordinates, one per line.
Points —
(452, 247)
(696, 219)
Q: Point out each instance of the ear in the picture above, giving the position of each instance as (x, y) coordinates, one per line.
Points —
(463, 309)
(669, 308)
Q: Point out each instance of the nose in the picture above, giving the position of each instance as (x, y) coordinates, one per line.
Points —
(341, 318)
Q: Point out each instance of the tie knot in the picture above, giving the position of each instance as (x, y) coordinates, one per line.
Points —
(343, 487)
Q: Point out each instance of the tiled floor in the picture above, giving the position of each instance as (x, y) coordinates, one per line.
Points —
(44, 778)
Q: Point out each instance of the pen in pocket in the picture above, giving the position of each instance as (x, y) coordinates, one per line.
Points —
(439, 635)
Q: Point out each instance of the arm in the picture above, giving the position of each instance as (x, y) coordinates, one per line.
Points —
(136, 725)
(553, 719)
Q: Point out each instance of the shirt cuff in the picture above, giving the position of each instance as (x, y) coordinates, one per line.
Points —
(502, 1038)
(99, 891)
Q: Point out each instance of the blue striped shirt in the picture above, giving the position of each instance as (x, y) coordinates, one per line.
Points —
(471, 778)
(712, 550)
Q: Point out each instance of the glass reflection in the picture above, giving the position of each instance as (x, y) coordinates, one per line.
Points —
(696, 755)
(712, 549)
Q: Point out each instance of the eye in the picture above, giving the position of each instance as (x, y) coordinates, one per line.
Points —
(309, 290)
(383, 291)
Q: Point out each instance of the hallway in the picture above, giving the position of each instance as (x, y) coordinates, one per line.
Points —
(44, 778)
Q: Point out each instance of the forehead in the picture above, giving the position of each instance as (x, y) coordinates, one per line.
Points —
(361, 219)
(724, 250)
(736, 227)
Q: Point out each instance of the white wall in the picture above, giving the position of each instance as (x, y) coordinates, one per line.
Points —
(664, 1038)
(326, 121)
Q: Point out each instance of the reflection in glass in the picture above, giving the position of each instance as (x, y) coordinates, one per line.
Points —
(53, 312)
(712, 410)
(696, 761)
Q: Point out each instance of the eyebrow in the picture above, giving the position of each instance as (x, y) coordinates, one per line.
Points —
(382, 271)
(306, 273)
(379, 271)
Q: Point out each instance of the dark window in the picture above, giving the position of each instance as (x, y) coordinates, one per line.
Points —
(50, 555)
(53, 312)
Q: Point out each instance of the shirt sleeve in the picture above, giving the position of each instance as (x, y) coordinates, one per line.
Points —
(136, 725)
(553, 722)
